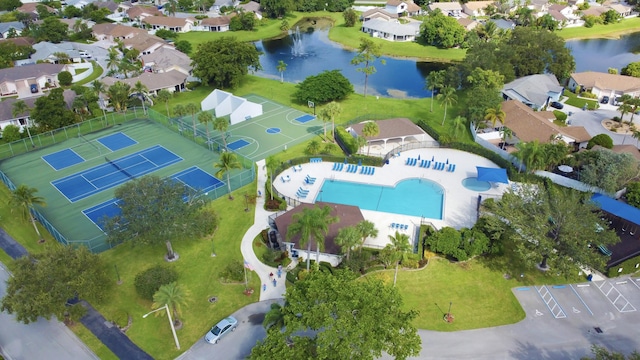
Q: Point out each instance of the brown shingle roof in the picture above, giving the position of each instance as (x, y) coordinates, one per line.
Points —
(591, 79)
(32, 8)
(478, 5)
(142, 42)
(29, 71)
(347, 216)
(167, 21)
(392, 128)
(136, 11)
(628, 149)
(372, 12)
(153, 81)
(528, 125)
(216, 21)
(116, 30)
(21, 41)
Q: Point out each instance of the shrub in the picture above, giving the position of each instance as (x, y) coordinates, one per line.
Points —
(588, 94)
(234, 272)
(603, 140)
(347, 140)
(11, 133)
(65, 78)
(560, 116)
(633, 194)
(150, 280)
(410, 264)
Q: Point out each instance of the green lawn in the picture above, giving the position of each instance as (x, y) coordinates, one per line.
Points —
(97, 71)
(574, 100)
(601, 31)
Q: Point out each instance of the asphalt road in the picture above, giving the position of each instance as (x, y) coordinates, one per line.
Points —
(40, 340)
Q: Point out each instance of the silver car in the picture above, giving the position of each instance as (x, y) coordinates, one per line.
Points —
(221, 329)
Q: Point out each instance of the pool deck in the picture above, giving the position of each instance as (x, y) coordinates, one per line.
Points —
(459, 202)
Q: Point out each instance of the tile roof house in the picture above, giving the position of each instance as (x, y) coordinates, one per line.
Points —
(145, 43)
(21, 120)
(253, 7)
(534, 91)
(377, 13)
(451, 8)
(167, 59)
(113, 32)
(21, 41)
(6, 28)
(173, 81)
(467, 23)
(111, 5)
(529, 125)
(72, 22)
(595, 11)
(622, 9)
(401, 7)
(563, 14)
(174, 24)
(31, 8)
(46, 51)
(141, 12)
(476, 8)
(605, 84)
(392, 30)
(17, 80)
(218, 23)
(504, 24)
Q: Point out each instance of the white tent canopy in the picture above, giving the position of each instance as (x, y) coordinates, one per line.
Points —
(224, 103)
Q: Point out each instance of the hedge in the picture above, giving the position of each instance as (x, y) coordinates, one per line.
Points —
(628, 267)
(560, 116)
(429, 130)
(346, 140)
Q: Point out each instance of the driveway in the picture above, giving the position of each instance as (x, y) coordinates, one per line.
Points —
(591, 120)
(97, 53)
(40, 340)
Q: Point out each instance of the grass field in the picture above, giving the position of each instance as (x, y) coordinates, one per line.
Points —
(601, 31)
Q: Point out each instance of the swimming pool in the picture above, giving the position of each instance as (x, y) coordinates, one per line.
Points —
(475, 184)
(414, 197)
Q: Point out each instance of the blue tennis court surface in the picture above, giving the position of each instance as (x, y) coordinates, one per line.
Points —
(117, 141)
(198, 179)
(305, 118)
(238, 144)
(62, 159)
(96, 179)
(193, 177)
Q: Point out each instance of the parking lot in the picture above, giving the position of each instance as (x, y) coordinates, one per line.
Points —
(591, 303)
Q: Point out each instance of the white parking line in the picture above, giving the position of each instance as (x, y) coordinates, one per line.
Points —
(581, 300)
(619, 302)
(550, 301)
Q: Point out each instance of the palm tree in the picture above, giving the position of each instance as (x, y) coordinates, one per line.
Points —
(164, 96)
(20, 108)
(24, 198)
(141, 89)
(174, 297)
(361, 141)
(205, 118)
(271, 164)
(494, 115)
(172, 7)
(624, 108)
(331, 111)
(118, 94)
(348, 238)
(370, 129)
(281, 67)
(636, 135)
(506, 134)
(366, 229)
(399, 246)
(447, 96)
(227, 162)
(311, 224)
(192, 109)
(435, 81)
(113, 58)
(525, 16)
(459, 123)
(179, 110)
(98, 88)
(221, 125)
(531, 154)
(368, 52)
(274, 318)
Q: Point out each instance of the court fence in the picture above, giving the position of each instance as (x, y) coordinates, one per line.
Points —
(99, 243)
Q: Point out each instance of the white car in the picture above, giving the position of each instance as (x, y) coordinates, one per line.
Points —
(221, 329)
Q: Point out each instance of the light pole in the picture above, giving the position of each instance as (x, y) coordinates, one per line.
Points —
(173, 329)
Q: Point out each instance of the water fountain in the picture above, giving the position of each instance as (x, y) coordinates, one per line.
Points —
(297, 49)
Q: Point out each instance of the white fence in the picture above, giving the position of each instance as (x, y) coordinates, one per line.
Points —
(85, 74)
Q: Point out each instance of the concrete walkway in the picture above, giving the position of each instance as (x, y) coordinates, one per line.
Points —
(261, 222)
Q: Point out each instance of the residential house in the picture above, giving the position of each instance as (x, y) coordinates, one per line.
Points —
(18, 80)
(7, 28)
(402, 7)
(535, 91)
(529, 125)
(139, 13)
(31, 9)
(167, 59)
(21, 41)
(392, 30)
(71, 23)
(218, 4)
(174, 24)
(378, 13)
(78, 3)
(504, 24)
(539, 7)
(219, 24)
(111, 5)
(622, 9)
(21, 120)
(145, 43)
(595, 11)
(392, 131)
(451, 8)
(49, 52)
(468, 23)
(476, 8)
(113, 32)
(605, 84)
(172, 81)
(252, 7)
(563, 14)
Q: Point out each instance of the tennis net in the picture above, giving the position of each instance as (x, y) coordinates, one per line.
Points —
(119, 168)
(90, 143)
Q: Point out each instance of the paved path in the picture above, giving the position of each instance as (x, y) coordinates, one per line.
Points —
(14, 335)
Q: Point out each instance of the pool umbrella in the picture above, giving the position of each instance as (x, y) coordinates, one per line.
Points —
(418, 157)
(433, 158)
(492, 175)
(565, 168)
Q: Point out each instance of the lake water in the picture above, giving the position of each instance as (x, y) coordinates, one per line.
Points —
(309, 51)
(315, 52)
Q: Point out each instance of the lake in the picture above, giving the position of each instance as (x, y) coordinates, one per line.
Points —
(602, 54)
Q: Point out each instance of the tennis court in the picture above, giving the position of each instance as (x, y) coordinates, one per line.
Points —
(278, 128)
(115, 172)
(78, 177)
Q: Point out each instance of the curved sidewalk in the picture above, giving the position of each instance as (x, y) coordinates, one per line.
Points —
(261, 222)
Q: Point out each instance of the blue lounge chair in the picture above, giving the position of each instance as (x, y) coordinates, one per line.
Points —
(362, 170)
(393, 225)
(373, 170)
(302, 196)
(408, 161)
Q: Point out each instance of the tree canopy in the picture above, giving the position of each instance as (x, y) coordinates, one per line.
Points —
(441, 31)
(632, 69)
(552, 227)
(42, 286)
(277, 8)
(342, 318)
(50, 112)
(323, 88)
(155, 210)
(606, 169)
(222, 63)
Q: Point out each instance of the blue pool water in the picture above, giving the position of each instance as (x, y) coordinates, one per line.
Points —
(476, 185)
(414, 197)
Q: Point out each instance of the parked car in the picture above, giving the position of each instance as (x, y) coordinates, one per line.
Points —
(605, 100)
(221, 329)
(556, 104)
(617, 100)
(34, 88)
